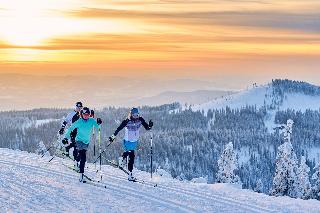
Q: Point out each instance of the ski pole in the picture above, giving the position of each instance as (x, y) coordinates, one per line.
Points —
(58, 137)
(46, 151)
(94, 143)
(151, 152)
(99, 138)
(102, 152)
(55, 145)
(94, 146)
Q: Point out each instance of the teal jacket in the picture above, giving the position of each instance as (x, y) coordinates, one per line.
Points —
(84, 129)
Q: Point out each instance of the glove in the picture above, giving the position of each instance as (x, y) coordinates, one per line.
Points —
(112, 138)
(150, 124)
(61, 131)
(99, 121)
(65, 141)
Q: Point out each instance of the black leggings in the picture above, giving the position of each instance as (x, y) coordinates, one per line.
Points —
(75, 150)
(82, 157)
(131, 159)
(73, 144)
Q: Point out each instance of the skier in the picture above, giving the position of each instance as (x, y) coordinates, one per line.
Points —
(70, 119)
(132, 126)
(85, 126)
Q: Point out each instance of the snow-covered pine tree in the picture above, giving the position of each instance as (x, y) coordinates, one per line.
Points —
(227, 165)
(304, 186)
(259, 186)
(285, 180)
(316, 186)
(42, 150)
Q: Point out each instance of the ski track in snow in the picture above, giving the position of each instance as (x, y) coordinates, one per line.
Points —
(28, 183)
(204, 196)
(122, 191)
(175, 206)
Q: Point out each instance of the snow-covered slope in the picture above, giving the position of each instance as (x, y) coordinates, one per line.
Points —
(194, 97)
(276, 96)
(253, 97)
(260, 96)
(29, 183)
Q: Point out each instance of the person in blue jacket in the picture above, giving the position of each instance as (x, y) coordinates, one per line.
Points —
(131, 139)
(84, 127)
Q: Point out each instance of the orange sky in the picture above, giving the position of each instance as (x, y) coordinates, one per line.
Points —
(167, 38)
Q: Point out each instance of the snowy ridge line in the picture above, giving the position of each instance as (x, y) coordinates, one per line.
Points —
(215, 198)
(176, 207)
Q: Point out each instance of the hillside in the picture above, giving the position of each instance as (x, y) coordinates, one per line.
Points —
(188, 144)
(194, 97)
(29, 183)
(279, 95)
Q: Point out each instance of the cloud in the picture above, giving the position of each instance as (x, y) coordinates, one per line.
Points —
(155, 2)
(169, 42)
(309, 22)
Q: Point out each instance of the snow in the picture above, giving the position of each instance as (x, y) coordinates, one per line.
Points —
(313, 154)
(29, 183)
(44, 121)
(199, 180)
(299, 101)
(259, 96)
(243, 155)
(253, 97)
(37, 123)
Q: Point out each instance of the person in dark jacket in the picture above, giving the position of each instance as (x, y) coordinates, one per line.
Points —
(131, 139)
(68, 121)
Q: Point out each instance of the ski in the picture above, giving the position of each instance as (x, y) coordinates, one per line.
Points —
(75, 170)
(115, 165)
(95, 183)
(143, 182)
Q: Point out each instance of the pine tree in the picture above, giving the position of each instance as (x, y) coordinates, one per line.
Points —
(227, 165)
(42, 150)
(285, 179)
(259, 186)
(304, 186)
(316, 186)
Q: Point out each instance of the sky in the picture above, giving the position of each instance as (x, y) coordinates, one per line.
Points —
(238, 41)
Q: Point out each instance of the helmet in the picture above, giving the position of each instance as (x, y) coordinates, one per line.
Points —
(79, 104)
(85, 110)
(134, 110)
(134, 113)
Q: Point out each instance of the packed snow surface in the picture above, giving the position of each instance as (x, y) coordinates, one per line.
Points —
(29, 183)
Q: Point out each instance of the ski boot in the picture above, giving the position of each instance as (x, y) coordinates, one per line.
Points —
(131, 178)
(76, 166)
(82, 178)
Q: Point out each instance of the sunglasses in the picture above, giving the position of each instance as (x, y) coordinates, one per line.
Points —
(135, 115)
